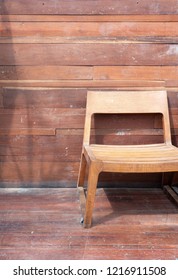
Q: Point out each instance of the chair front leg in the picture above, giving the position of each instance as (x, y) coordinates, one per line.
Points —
(82, 171)
(91, 192)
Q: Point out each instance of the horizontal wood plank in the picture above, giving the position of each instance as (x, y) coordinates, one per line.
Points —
(21, 172)
(27, 131)
(76, 253)
(89, 54)
(133, 72)
(126, 84)
(90, 18)
(44, 224)
(89, 7)
(65, 147)
(45, 73)
(89, 40)
(18, 97)
(43, 98)
(89, 29)
(46, 118)
(61, 147)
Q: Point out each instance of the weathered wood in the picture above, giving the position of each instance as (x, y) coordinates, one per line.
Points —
(133, 72)
(60, 147)
(133, 84)
(43, 98)
(89, 18)
(44, 224)
(172, 83)
(90, 40)
(45, 73)
(19, 98)
(89, 54)
(67, 147)
(51, 52)
(55, 118)
(40, 172)
(27, 131)
(1, 98)
(89, 29)
(44, 118)
(88, 7)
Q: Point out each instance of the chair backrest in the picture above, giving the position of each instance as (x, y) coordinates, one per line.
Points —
(138, 102)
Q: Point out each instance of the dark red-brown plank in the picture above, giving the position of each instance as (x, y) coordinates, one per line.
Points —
(41, 224)
(43, 98)
(70, 118)
(65, 147)
(88, 7)
(46, 73)
(133, 72)
(64, 173)
(89, 54)
(44, 118)
(89, 29)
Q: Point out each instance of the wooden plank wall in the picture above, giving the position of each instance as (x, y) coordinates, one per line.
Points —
(51, 52)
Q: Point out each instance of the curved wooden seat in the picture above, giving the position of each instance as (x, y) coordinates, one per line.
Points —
(150, 158)
(141, 158)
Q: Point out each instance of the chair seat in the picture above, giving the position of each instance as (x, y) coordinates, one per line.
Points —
(139, 157)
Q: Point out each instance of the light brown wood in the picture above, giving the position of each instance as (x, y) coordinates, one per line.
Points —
(151, 158)
(89, 29)
(89, 18)
(136, 84)
(133, 72)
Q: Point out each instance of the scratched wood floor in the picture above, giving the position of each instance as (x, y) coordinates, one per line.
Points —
(128, 224)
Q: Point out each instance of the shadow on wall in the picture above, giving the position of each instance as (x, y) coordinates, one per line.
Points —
(19, 164)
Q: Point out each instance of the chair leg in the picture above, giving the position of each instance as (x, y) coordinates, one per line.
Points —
(91, 192)
(80, 185)
(82, 170)
(167, 178)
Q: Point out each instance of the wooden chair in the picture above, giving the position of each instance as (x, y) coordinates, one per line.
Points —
(148, 158)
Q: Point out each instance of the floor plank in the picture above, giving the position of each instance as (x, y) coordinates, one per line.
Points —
(128, 223)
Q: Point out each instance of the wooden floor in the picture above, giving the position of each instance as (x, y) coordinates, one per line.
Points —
(128, 224)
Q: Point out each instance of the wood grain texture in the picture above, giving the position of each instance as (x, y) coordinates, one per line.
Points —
(89, 40)
(89, 29)
(90, 18)
(44, 224)
(152, 73)
(45, 73)
(101, 84)
(52, 52)
(45, 118)
(89, 54)
(32, 172)
(43, 98)
(133, 72)
(89, 7)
